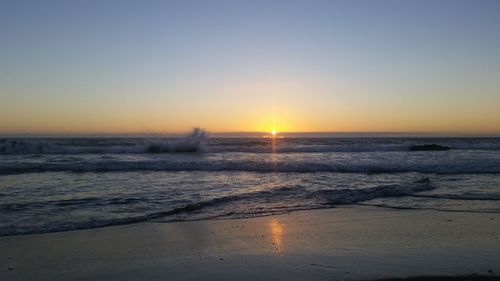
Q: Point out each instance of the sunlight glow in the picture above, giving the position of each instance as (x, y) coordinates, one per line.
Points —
(276, 229)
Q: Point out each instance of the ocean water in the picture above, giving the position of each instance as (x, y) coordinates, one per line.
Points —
(52, 184)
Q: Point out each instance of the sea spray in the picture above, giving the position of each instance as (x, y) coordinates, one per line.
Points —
(192, 143)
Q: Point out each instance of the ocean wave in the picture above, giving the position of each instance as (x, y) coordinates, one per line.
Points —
(223, 205)
(198, 141)
(307, 148)
(188, 145)
(76, 202)
(437, 209)
(324, 197)
(195, 143)
(466, 197)
(485, 166)
(351, 196)
(191, 143)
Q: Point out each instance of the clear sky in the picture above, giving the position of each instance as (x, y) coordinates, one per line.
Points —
(167, 66)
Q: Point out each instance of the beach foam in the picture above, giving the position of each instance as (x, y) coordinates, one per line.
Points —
(85, 183)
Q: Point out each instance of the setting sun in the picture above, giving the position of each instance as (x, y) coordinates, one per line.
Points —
(265, 139)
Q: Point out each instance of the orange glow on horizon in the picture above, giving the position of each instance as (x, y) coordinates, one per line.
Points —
(59, 119)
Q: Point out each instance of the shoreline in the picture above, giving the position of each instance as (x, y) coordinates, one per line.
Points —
(227, 218)
(343, 243)
(471, 277)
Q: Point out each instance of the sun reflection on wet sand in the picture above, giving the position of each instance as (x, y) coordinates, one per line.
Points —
(276, 229)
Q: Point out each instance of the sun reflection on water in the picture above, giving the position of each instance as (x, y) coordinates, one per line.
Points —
(276, 229)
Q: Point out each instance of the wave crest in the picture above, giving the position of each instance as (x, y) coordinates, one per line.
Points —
(243, 205)
(192, 143)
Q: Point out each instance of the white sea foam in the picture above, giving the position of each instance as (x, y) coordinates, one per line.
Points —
(78, 183)
(237, 205)
(194, 142)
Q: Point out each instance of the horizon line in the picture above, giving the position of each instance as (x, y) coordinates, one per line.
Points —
(247, 133)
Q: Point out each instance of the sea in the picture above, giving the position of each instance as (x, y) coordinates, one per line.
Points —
(69, 183)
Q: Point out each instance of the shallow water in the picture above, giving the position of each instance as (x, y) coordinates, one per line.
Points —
(62, 184)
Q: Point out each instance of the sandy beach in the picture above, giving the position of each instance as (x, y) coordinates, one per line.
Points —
(248, 140)
(348, 243)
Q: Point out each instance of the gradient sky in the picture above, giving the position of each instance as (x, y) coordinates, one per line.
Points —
(167, 66)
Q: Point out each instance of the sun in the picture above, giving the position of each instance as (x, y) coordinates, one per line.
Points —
(273, 132)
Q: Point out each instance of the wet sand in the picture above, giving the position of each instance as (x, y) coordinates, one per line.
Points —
(470, 277)
(351, 243)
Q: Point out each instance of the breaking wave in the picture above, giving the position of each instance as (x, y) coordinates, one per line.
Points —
(231, 206)
(76, 183)
(192, 143)
(198, 141)
(450, 166)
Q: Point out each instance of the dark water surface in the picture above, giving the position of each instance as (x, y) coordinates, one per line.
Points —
(73, 183)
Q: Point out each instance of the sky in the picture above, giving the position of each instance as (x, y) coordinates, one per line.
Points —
(430, 66)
